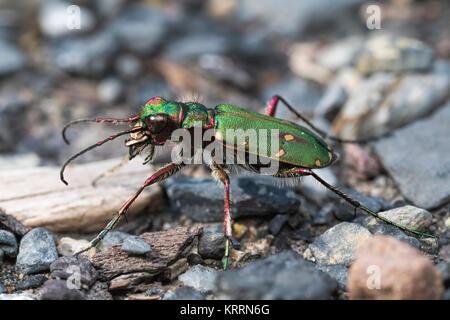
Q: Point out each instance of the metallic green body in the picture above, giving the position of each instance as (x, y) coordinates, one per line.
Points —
(297, 146)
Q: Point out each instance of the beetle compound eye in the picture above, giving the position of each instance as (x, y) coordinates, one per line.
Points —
(157, 122)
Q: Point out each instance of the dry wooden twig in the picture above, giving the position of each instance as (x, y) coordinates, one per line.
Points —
(36, 196)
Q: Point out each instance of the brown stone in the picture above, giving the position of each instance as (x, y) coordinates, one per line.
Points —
(386, 268)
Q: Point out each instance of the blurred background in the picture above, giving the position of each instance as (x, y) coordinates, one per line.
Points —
(357, 67)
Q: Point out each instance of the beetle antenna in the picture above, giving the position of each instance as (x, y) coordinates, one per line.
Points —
(98, 144)
(98, 120)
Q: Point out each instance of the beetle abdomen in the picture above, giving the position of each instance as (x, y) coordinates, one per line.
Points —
(297, 145)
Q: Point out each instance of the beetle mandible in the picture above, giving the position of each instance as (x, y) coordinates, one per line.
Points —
(300, 152)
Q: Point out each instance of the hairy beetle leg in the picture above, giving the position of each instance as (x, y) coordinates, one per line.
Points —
(220, 174)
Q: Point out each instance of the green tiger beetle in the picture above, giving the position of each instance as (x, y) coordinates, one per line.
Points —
(300, 149)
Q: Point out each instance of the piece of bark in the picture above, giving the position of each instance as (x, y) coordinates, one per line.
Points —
(167, 247)
(174, 270)
(131, 282)
(37, 198)
(10, 223)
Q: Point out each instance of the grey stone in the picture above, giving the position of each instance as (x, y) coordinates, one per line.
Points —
(416, 158)
(200, 278)
(3, 289)
(135, 245)
(110, 90)
(31, 282)
(59, 290)
(345, 211)
(1, 256)
(193, 46)
(316, 192)
(109, 8)
(8, 243)
(17, 296)
(194, 259)
(77, 268)
(184, 293)
(282, 276)
(112, 238)
(202, 199)
(324, 216)
(277, 223)
(332, 100)
(444, 269)
(211, 245)
(341, 53)
(394, 54)
(386, 229)
(338, 245)
(87, 56)
(37, 251)
(408, 216)
(128, 66)
(338, 272)
(99, 291)
(141, 28)
(11, 58)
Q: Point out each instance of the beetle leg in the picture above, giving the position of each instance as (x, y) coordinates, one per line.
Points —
(293, 172)
(220, 174)
(112, 170)
(159, 175)
(272, 108)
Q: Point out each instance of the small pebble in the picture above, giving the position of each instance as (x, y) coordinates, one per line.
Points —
(184, 293)
(112, 238)
(408, 216)
(110, 90)
(76, 268)
(59, 290)
(31, 282)
(68, 246)
(194, 259)
(8, 243)
(338, 245)
(338, 272)
(11, 58)
(447, 222)
(36, 252)
(211, 245)
(3, 289)
(200, 278)
(277, 223)
(135, 245)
